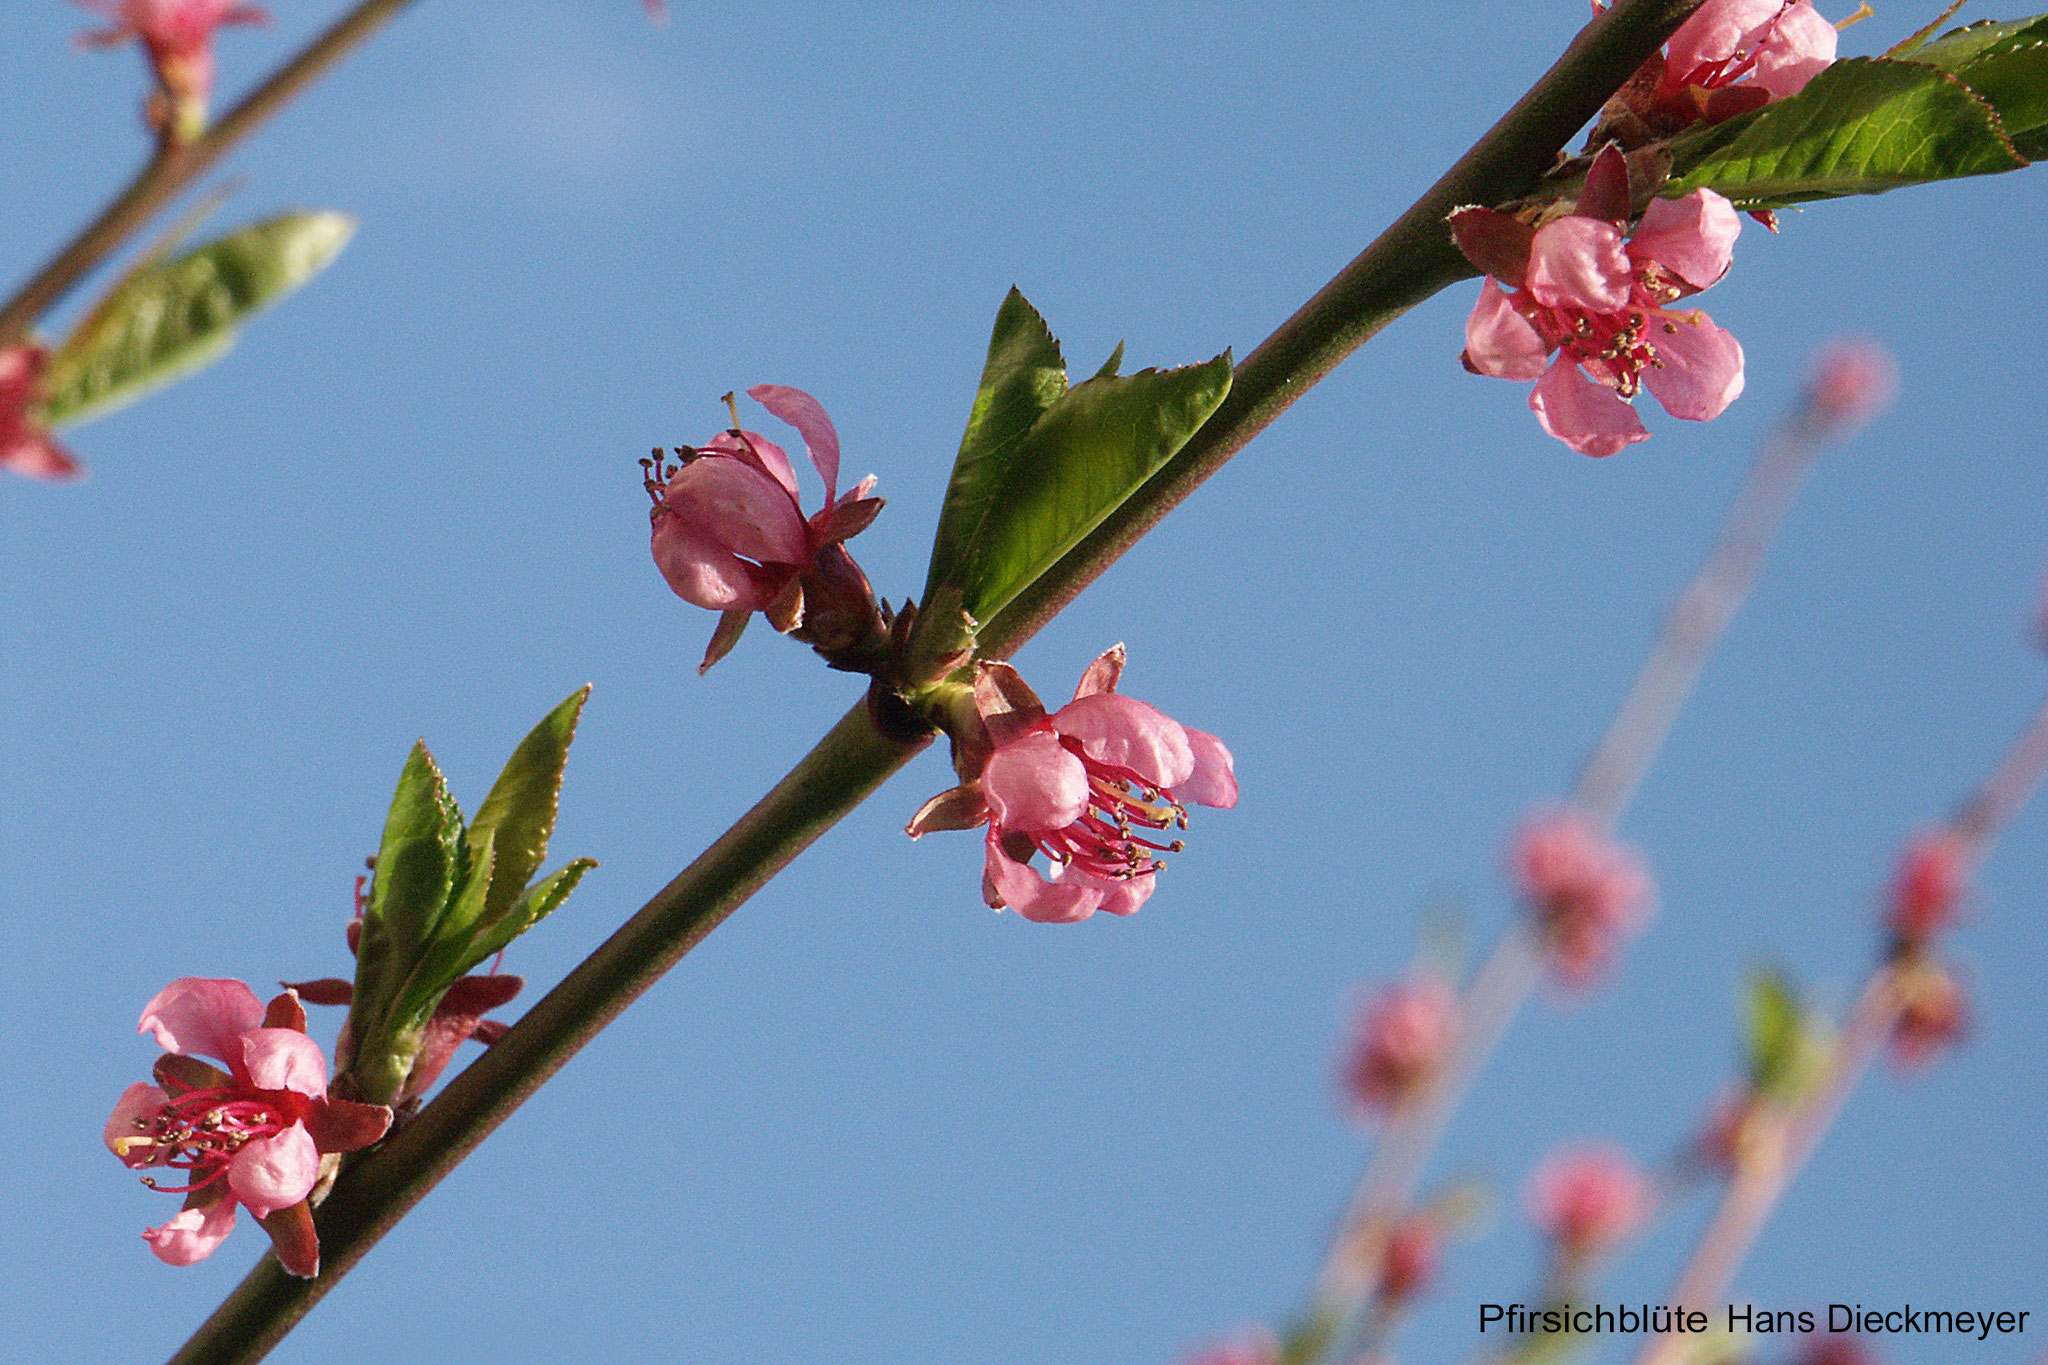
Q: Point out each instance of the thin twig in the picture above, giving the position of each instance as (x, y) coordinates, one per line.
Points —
(1505, 981)
(1763, 1176)
(170, 171)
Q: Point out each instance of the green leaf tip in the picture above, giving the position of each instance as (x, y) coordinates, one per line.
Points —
(523, 803)
(165, 320)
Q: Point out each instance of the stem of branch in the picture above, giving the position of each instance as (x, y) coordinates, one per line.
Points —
(1761, 1182)
(170, 171)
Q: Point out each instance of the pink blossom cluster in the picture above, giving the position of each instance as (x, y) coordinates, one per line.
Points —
(1087, 785)
(254, 1134)
(1583, 890)
(1581, 304)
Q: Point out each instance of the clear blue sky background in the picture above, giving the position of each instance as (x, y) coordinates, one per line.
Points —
(869, 1120)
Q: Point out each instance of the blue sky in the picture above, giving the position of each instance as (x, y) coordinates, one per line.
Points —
(869, 1120)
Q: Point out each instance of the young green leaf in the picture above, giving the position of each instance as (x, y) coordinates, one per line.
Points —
(165, 321)
(1023, 376)
(1862, 126)
(419, 856)
(520, 811)
(536, 904)
(1088, 453)
(1786, 1043)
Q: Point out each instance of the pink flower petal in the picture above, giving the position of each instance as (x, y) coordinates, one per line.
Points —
(1128, 734)
(1018, 886)
(1590, 419)
(770, 458)
(1713, 33)
(703, 572)
(272, 1172)
(284, 1059)
(139, 1103)
(1579, 263)
(1800, 47)
(1032, 783)
(738, 508)
(202, 1016)
(34, 454)
(1214, 780)
(1499, 341)
(192, 1234)
(1692, 237)
(1698, 371)
(807, 415)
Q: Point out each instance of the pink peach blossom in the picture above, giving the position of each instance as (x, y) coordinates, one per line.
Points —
(1587, 1198)
(1078, 785)
(1583, 890)
(1584, 310)
(1402, 1038)
(729, 534)
(1730, 57)
(1771, 46)
(253, 1134)
(25, 447)
(178, 36)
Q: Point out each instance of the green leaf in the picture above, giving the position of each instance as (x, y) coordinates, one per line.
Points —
(1078, 463)
(1787, 1043)
(164, 321)
(1023, 377)
(520, 811)
(534, 905)
(1862, 126)
(419, 856)
(1954, 50)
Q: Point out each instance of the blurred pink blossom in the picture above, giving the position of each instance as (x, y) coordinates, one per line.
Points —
(178, 37)
(1413, 1253)
(1584, 311)
(253, 1134)
(1587, 1198)
(1934, 1013)
(1852, 380)
(1584, 891)
(1402, 1037)
(1084, 786)
(1928, 889)
(25, 447)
